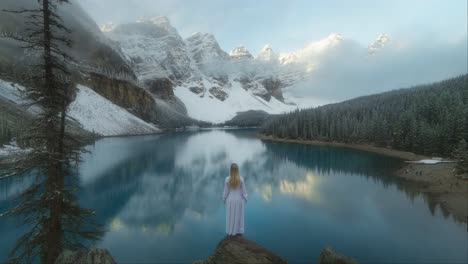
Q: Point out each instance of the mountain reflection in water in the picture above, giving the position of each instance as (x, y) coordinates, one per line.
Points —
(160, 199)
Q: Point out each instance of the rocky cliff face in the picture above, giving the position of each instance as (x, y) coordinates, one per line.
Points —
(124, 94)
(273, 87)
(161, 88)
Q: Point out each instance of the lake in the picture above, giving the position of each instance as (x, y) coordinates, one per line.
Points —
(160, 198)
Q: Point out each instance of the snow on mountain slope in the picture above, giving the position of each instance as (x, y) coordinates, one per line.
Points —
(197, 66)
(215, 85)
(97, 114)
(155, 48)
(206, 107)
(11, 92)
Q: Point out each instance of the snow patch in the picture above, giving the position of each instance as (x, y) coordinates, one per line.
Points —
(206, 107)
(12, 149)
(430, 161)
(97, 114)
(11, 92)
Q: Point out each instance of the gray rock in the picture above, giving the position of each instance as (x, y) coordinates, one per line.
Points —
(218, 93)
(233, 250)
(329, 256)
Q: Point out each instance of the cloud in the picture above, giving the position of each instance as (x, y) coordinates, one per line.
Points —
(348, 71)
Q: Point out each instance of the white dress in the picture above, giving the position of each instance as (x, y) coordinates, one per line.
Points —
(235, 200)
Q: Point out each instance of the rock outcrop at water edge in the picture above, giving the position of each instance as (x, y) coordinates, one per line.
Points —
(237, 249)
(329, 256)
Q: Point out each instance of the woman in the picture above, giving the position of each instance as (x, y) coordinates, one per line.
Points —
(234, 197)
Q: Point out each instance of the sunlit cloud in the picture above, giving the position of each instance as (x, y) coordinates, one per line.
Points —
(266, 191)
(305, 189)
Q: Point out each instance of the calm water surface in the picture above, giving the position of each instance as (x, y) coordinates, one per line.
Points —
(160, 199)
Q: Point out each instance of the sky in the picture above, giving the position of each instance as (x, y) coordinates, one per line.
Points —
(290, 24)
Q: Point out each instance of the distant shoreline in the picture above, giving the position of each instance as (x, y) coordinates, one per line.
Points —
(437, 181)
(379, 150)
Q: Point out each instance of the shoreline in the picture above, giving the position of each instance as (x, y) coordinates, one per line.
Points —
(378, 150)
(438, 181)
(172, 130)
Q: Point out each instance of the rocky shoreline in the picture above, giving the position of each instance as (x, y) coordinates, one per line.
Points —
(230, 250)
(441, 186)
(239, 250)
(438, 181)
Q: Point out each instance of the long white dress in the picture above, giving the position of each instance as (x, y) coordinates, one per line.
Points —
(235, 200)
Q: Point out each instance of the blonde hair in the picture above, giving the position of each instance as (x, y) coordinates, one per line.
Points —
(234, 176)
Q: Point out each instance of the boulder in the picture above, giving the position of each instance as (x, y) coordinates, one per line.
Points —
(237, 249)
(329, 256)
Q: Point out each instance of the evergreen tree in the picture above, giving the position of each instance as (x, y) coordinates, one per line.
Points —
(460, 155)
(428, 119)
(49, 206)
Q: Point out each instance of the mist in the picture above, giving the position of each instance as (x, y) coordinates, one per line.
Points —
(350, 71)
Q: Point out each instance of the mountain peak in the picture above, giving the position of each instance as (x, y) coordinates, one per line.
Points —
(330, 41)
(267, 53)
(202, 36)
(240, 52)
(312, 49)
(157, 20)
(204, 48)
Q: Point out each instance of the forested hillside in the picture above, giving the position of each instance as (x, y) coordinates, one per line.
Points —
(429, 119)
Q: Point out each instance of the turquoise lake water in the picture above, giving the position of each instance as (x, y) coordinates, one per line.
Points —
(160, 200)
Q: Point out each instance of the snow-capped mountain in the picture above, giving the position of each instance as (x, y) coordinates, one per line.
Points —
(154, 48)
(312, 50)
(241, 53)
(205, 49)
(212, 84)
(148, 62)
(267, 54)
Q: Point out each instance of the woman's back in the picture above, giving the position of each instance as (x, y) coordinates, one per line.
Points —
(234, 196)
(235, 193)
